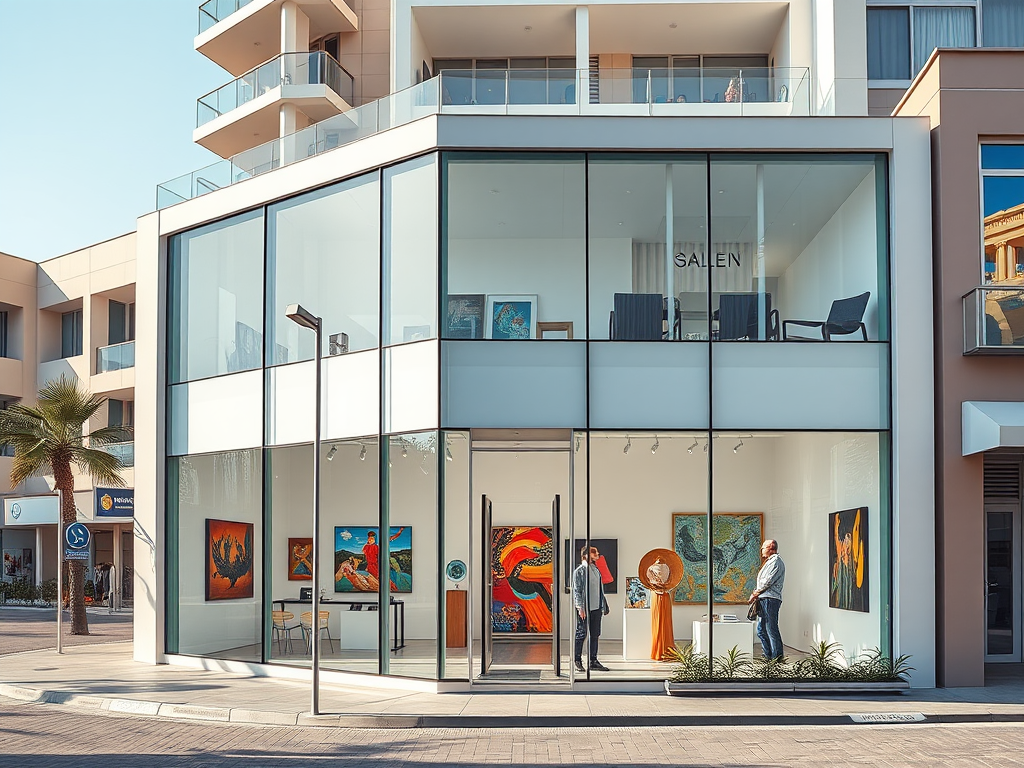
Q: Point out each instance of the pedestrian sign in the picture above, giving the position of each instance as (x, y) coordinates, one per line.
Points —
(76, 542)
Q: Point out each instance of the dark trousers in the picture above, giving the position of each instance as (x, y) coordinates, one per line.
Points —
(591, 625)
(768, 627)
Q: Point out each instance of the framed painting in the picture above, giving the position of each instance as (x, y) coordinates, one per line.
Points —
(607, 562)
(300, 559)
(521, 579)
(511, 317)
(229, 560)
(735, 560)
(848, 560)
(637, 595)
(12, 563)
(465, 316)
(357, 555)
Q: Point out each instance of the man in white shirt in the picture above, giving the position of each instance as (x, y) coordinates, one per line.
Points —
(768, 593)
(589, 601)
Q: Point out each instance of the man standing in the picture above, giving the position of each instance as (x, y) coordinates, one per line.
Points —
(588, 598)
(768, 594)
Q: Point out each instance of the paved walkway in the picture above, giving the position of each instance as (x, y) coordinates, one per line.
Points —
(29, 629)
(105, 678)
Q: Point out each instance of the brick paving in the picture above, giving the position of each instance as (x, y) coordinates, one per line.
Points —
(35, 735)
(33, 629)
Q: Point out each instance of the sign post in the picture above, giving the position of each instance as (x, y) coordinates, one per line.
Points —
(75, 546)
(60, 570)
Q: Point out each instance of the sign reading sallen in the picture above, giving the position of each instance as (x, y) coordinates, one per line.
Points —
(31, 510)
(115, 502)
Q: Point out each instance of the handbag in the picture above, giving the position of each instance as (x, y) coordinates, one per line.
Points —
(752, 611)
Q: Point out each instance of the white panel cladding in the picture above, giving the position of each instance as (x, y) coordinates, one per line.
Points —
(220, 414)
(351, 391)
(410, 387)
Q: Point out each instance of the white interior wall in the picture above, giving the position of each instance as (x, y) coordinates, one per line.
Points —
(611, 272)
(780, 52)
(838, 263)
(419, 53)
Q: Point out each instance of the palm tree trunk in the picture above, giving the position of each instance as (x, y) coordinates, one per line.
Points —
(64, 481)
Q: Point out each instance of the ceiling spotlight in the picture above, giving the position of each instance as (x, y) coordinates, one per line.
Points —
(673, 25)
(690, 449)
(448, 454)
(657, 444)
(578, 440)
(705, 447)
(629, 444)
(405, 451)
(330, 453)
(738, 446)
(362, 452)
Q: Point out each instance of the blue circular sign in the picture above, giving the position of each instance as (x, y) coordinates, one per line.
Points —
(456, 571)
(76, 536)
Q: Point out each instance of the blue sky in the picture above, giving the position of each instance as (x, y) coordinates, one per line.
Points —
(99, 103)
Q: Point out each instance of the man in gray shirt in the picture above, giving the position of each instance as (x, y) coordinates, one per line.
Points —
(589, 601)
(768, 593)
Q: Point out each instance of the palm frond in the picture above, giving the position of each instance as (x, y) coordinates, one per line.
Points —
(28, 464)
(103, 467)
(110, 435)
(64, 403)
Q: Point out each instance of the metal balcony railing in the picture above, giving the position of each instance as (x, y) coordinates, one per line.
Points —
(115, 357)
(124, 451)
(994, 320)
(213, 11)
(313, 68)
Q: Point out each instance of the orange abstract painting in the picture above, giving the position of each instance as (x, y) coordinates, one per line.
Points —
(229, 560)
(522, 576)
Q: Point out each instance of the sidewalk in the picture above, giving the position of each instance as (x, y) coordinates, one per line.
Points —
(105, 678)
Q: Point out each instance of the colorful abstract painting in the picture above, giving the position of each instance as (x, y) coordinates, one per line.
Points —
(357, 558)
(465, 318)
(735, 556)
(607, 562)
(637, 595)
(229, 560)
(13, 563)
(521, 578)
(848, 560)
(300, 559)
(511, 317)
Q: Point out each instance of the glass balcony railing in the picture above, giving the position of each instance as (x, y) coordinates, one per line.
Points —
(213, 11)
(115, 357)
(124, 451)
(314, 68)
(994, 320)
(677, 92)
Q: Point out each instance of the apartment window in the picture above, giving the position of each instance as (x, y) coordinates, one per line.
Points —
(120, 413)
(71, 333)
(120, 322)
(902, 37)
(1002, 23)
(535, 80)
(3, 334)
(697, 79)
(1002, 172)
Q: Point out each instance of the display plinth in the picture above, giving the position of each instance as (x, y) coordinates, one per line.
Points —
(636, 634)
(358, 630)
(455, 618)
(727, 634)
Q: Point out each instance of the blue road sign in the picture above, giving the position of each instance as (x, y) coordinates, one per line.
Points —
(77, 536)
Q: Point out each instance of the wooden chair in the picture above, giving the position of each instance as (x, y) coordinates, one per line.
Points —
(306, 622)
(281, 630)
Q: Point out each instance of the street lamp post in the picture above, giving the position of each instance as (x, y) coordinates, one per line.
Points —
(297, 314)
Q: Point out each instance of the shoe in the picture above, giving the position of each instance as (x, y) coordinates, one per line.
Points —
(595, 664)
(579, 666)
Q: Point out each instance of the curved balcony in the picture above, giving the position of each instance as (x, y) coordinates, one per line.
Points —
(232, 118)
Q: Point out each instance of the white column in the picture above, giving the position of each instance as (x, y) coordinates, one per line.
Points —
(670, 252)
(759, 262)
(39, 555)
(582, 55)
(290, 27)
(115, 577)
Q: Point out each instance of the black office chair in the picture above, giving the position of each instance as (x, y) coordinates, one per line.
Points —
(737, 317)
(845, 317)
(636, 317)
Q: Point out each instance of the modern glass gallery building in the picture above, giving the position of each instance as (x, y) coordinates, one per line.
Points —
(540, 330)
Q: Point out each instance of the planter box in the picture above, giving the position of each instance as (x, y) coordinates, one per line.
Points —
(719, 687)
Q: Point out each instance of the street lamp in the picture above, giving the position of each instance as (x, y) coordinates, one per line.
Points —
(301, 316)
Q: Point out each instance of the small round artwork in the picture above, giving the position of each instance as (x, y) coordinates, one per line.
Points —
(456, 571)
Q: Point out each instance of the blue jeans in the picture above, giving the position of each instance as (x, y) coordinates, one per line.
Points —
(768, 627)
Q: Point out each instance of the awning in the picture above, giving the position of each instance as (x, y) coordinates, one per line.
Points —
(992, 425)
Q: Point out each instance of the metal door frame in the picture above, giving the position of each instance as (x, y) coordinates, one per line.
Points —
(1016, 581)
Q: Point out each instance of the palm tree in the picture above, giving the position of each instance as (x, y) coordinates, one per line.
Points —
(49, 437)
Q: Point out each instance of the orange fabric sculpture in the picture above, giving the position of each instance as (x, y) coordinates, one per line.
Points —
(661, 571)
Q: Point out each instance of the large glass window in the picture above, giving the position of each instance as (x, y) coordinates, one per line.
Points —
(216, 299)
(888, 43)
(1002, 23)
(901, 38)
(324, 253)
(515, 252)
(409, 302)
(1003, 244)
(941, 28)
(71, 333)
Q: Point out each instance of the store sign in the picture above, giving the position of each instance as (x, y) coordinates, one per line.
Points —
(31, 510)
(115, 502)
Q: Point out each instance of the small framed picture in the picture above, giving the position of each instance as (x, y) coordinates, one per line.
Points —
(511, 317)
(465, 317)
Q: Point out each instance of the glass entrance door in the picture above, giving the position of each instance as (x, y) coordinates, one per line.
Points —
(1002, 580)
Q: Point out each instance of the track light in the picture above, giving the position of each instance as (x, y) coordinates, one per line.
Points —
(405, 451)
(657, 444)
(629, 444)
(330, 453)
(738, 446)
(448, 453)
(578, 440)
(705, 446)
(362, 452)
(690, 449)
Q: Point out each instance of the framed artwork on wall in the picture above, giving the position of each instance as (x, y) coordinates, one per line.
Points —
(607, 562)
(511, 317)
(465, 316)
(300, 559)
(637, 595)
(521, 578)
(229, 560)
(357, 553)
(848, 560)
(736, 556)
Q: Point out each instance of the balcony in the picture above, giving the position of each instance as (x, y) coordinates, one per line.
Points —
(115, 357)
(124, 451)
(240, 34)
(628, 92)
(994, 320)
(232, 118)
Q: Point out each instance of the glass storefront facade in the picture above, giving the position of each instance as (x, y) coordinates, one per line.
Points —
(500, 386)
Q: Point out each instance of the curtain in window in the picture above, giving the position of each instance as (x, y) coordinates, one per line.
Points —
(1002, 23)
(941, 28)
(888, 44)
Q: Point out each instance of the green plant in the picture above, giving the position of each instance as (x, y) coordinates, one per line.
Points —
(763, 668)
(690, 667)
(732, 664)
(873, 667)
(821, 663)
(48, 591)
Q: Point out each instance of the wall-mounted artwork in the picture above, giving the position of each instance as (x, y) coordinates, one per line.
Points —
(465, 318)
(229, 560)
(13, 563)
(511, 317)
(637, 595)
(300, 559)
(848, 559)
(607, 562)
(735, 556)
(521, 578)
(357, 558)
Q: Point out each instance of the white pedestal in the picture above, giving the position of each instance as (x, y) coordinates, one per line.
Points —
(727, 635)
(358, 630)
(636, 634)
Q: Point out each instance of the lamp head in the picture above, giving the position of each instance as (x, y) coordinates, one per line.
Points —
(302, 316)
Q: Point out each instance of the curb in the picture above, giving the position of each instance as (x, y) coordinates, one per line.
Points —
(144, 708)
